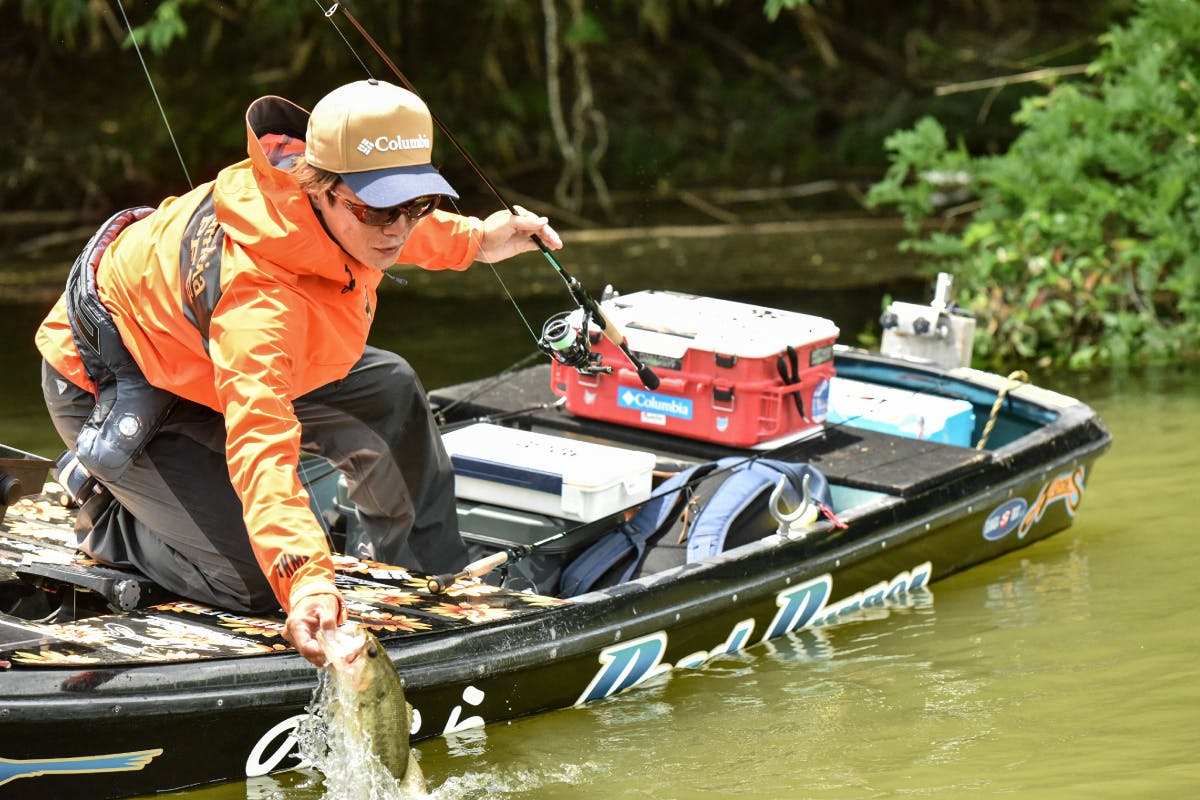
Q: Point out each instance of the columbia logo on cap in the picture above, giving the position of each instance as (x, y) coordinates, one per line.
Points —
(378, 138)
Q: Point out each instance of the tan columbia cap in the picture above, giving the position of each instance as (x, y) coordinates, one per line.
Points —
(379, 138)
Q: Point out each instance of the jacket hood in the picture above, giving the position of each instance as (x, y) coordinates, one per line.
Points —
(263, 208)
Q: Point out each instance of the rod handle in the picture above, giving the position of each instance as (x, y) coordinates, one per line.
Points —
(440, 583)
(609, 328)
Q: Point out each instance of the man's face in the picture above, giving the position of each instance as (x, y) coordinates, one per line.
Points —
(377, 246)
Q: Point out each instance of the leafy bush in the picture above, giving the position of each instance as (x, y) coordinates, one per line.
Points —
(1085, 245)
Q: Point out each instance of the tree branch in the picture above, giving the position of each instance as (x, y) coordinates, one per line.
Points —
(1010, 80)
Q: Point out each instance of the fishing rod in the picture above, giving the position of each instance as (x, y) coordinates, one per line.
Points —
(438, 584)
(559, 341)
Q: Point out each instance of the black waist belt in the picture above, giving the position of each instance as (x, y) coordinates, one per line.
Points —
(128, 409)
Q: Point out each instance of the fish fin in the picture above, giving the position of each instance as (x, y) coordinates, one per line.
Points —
(413, 784)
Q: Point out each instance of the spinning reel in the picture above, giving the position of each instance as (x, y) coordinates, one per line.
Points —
(570, 346)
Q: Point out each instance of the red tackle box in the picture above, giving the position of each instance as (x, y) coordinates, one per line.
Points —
(722, 367)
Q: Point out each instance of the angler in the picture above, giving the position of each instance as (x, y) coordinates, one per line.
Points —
(202, 344)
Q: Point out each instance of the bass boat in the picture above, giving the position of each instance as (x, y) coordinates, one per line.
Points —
(635, 507)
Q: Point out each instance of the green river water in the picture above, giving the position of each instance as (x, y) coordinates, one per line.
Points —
(1068, 669)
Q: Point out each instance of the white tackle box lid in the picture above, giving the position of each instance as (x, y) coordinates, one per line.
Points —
(550, 474)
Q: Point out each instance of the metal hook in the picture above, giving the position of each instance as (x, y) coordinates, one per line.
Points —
(775, 505)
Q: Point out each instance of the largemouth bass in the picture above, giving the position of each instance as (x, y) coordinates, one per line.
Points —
(367, 703)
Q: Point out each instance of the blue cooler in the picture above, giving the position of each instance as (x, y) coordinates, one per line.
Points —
(901, 412)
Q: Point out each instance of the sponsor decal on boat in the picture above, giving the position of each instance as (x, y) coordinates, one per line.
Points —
(805, 605)
(1067, 488)
(281, 742)
(1004, 519)
(13, 768)
(1016, 514)
(472, 696)
(264, 758)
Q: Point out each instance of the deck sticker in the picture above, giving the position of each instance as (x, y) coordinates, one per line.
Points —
(1004, 519)
(14, 768)
(820, 401)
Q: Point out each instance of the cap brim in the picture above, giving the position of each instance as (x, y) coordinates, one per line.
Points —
(382, 188)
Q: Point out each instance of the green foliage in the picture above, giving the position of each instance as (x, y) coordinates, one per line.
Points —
(62, 19)
(773, 8)
(166, 26)
(689, 93)
(1085, 247)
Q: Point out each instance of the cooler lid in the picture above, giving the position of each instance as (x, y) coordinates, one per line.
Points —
(540, 461)
(672, 323)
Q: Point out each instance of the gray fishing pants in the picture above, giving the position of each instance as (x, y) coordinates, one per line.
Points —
(177, 519)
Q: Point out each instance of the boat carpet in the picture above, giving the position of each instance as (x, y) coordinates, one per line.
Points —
(37, 543)
(854, 457)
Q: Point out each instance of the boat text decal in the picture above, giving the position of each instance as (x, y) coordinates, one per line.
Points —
(627, 664)
(281, 741)
(260, 761)
(1004, 519)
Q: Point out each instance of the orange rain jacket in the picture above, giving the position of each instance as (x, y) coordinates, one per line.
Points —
(286, 322)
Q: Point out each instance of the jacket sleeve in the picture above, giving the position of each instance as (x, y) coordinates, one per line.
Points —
(443, 240)
(249, 343)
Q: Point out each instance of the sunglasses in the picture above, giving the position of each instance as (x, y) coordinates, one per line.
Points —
(380, 217)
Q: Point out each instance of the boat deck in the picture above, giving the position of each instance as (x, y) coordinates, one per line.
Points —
(853, 457)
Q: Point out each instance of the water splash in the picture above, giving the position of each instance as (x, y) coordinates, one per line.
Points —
(515, 782)
(340, 749)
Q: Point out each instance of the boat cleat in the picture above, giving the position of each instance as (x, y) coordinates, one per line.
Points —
(793, 524)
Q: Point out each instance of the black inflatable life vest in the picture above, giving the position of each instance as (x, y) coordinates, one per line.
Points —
(128, 409)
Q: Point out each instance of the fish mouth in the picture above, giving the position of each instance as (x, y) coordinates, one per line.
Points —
(345, 644)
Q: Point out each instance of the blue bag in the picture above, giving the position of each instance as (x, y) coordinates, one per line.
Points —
(709, 508)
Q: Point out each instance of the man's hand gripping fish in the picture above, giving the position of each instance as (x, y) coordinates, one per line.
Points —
(368, 702)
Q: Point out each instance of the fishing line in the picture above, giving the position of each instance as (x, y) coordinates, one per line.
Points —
(578, 293)
(329, 13)
(576, 289)
(162, 111)
(486, 386)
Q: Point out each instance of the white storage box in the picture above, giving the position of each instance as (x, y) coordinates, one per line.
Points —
(900, 412)
(551, 475)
